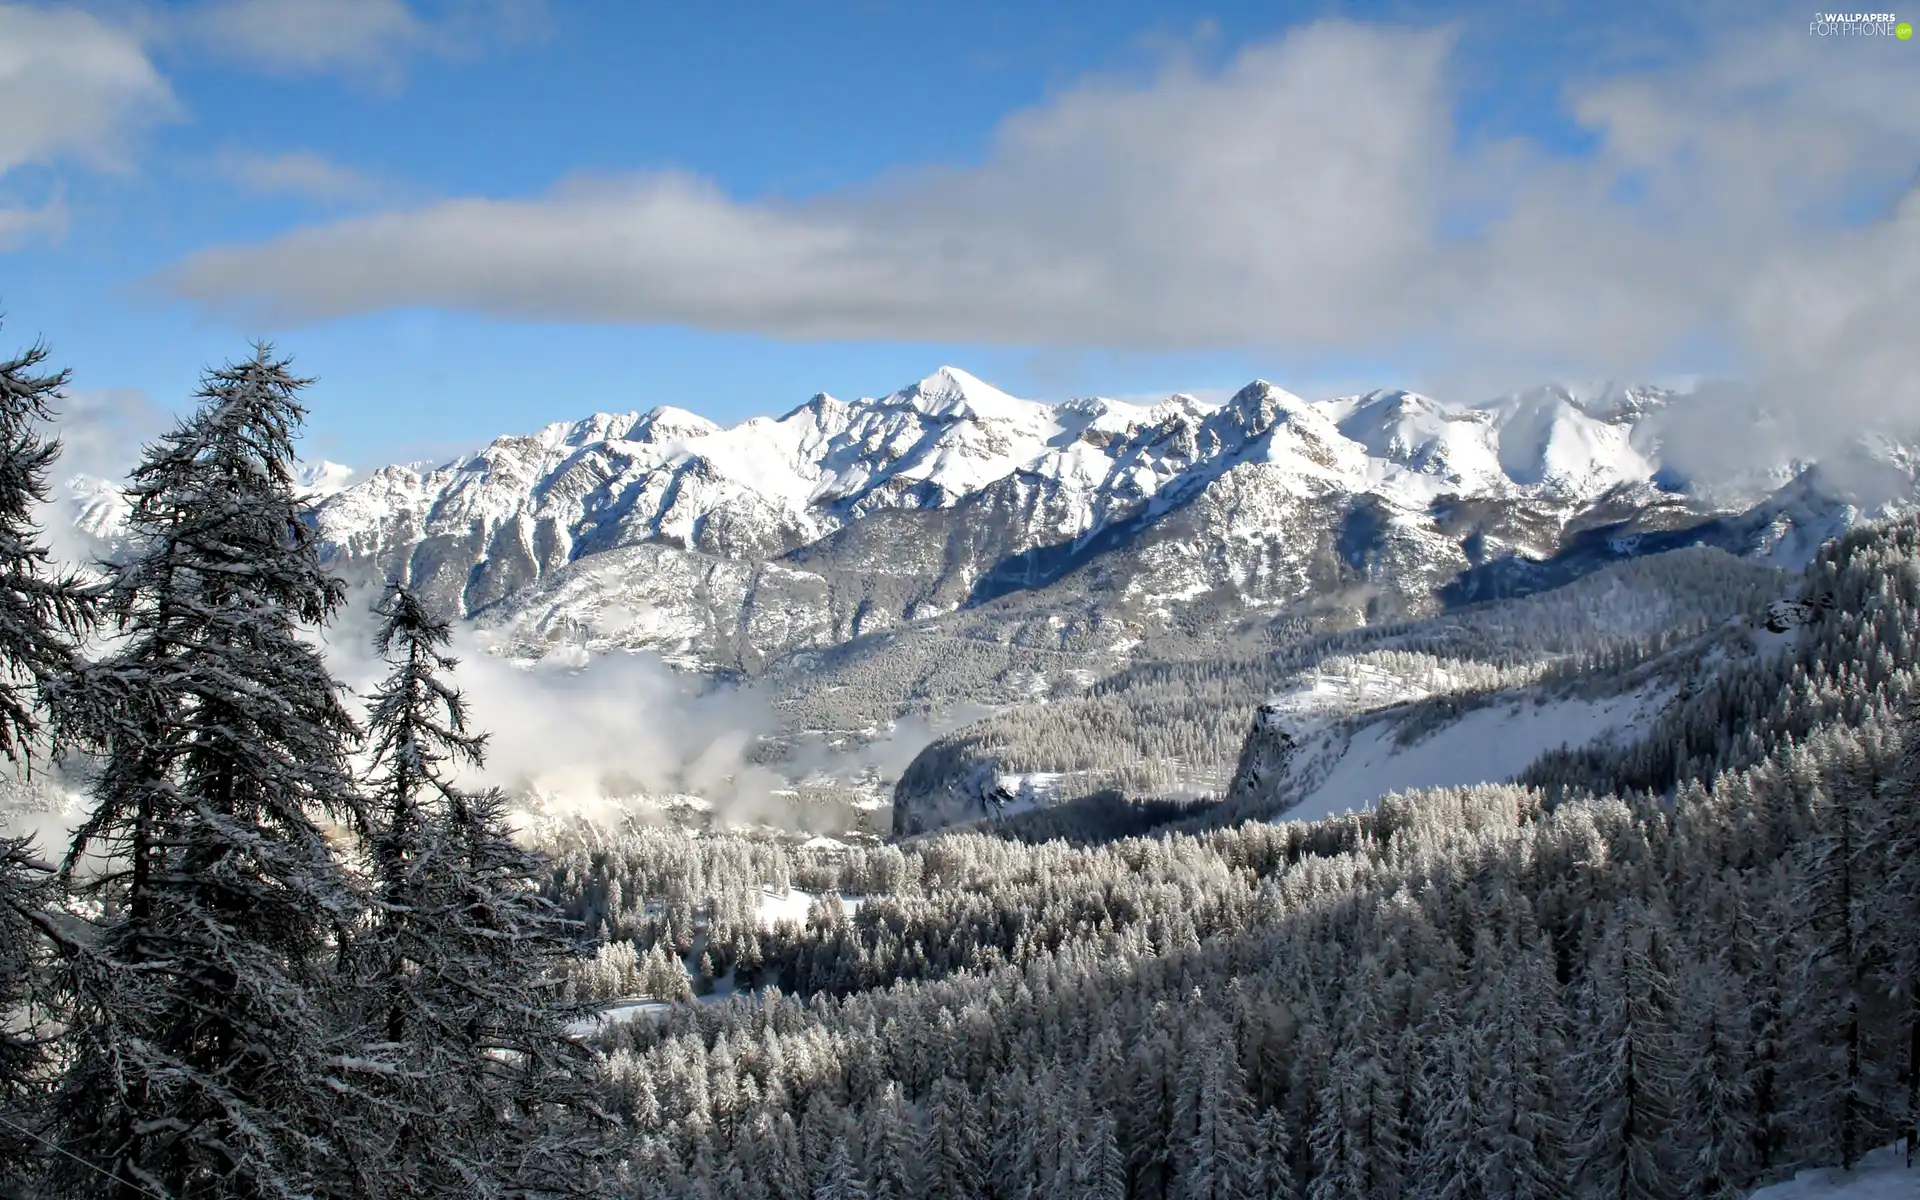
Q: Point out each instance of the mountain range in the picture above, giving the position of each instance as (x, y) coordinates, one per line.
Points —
(951, 548)
(727, 549)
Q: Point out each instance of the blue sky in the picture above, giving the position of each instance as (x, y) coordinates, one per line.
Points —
(473, 218)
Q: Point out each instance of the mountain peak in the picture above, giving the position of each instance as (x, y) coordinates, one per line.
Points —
(954, 377)
(668, 422)
(1265, 403)
(953, 392)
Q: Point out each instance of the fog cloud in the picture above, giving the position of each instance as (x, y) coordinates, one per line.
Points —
(591, 733)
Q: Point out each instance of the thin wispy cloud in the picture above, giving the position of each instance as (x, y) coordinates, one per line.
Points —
(81, 85)
(73, 86)
(308, 36)
(369, 38)
(23, 224)
(301, 174)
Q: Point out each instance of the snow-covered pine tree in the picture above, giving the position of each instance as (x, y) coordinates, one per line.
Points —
(1339, 1168)
(1897, 834)
(1010, 1151)
(465, 960)
(1525, 1095)
(1219, 1156)
(956, 1143)
(893, 1151)
(24, 892)
(1453, 1091)
(1845, 1084)
(842, 1181)
(1273, 1157)
(1103, 1168)
(1717, 1110)
(787, 1175)
(1629, 1075)
(43, 615)
(199, 1061)
(417, 723)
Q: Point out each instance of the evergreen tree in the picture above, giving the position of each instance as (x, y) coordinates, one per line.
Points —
(1897, 833)
(1103, 1170)
(24, 893)
(43, 615)
(1629, 1069)
(893, 1150)
(200, 1063)
(787, 1176)
(1720, 1131)
(1273, 1161)
(465, 961)
(1454, 1097)
(1845, 1085)
(1219, 1162)
(842, 1181)
(956, 1143)
(1011, 1152)
(1527, 1136)
(1339, 1166)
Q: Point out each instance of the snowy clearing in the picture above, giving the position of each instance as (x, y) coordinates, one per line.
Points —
(794, 905)
(1488, 745)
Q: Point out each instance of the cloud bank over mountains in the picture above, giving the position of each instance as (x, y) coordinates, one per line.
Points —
(1747, 207)
(1312, 195)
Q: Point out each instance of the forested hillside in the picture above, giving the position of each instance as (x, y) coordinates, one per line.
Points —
(1483, 991)
(1162, 727)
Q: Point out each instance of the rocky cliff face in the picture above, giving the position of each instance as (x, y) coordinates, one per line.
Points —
(1270, 746)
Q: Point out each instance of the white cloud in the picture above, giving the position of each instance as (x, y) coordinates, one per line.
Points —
(1309, 197)
(73, 86)
(589, 729)
(300, 173)
(102, 432)
(1102, 217)
(101, 436)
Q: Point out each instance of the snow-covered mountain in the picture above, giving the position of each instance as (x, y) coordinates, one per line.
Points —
(728, 548)
(731, 549)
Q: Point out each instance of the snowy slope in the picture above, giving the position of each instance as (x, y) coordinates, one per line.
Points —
(1336, 741)
(1347, 769)
(97, 508)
